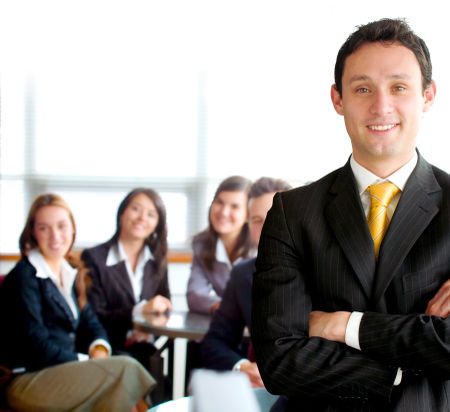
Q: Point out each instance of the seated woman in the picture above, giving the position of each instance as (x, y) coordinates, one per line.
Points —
(222, 347)
(129, 272)
(224, 243)
(50, 335)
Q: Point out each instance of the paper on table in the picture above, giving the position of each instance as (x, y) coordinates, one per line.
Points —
(222, 392)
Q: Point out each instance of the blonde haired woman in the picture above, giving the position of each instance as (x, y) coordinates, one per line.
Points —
(52, 337)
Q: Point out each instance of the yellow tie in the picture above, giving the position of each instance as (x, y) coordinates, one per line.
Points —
(381, 195)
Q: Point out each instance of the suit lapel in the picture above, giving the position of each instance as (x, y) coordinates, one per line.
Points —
(345, 215)
(55, 295)
(117, 272)
(415, 210)
(149, 285)
(119, 275)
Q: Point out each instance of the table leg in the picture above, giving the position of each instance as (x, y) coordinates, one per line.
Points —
(179, 367)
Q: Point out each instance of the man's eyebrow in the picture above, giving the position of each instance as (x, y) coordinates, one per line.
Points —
(358, 77)
(363, 77)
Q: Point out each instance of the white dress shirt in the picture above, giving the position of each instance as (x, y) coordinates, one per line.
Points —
(117, 254)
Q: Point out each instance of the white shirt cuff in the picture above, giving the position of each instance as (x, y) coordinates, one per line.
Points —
(352, 330)
(237, 365)
(137, 309)
(352, 339)
(398, 377)
(101, 342)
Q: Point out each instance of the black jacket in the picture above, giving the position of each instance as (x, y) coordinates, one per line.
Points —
(38, 327)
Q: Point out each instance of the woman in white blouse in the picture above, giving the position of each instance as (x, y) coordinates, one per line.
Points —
(48, 327)
(129, 272)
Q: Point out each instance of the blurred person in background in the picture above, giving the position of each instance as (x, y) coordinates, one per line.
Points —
(129, 275)
(223, 347)
(51, 337)
(219, 247)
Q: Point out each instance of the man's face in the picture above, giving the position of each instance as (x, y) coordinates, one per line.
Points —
(382, 103)
(257, 212)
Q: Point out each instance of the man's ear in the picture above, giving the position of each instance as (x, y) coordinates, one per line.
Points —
(336, 100)
(429, 95)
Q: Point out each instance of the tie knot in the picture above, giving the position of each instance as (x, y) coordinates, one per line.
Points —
(383, 192)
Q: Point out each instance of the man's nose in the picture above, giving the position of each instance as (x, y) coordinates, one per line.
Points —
(382, 103)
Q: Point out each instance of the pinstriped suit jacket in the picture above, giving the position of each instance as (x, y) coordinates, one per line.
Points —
(316, 253)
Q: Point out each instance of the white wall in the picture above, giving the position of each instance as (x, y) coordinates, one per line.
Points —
(267, 65)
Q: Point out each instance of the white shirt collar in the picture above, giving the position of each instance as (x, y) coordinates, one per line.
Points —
(43, 270)
(222, 255)
(68, 274)
(117, 254)
(221, 252)
(365, 178)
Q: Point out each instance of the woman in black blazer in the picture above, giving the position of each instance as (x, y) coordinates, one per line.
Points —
(48, 327)
(129, 272)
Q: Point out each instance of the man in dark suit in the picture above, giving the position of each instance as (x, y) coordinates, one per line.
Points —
(222, 347)
(341, 323)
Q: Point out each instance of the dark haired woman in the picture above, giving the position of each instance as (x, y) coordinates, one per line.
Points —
(129, 272)
(225, 242)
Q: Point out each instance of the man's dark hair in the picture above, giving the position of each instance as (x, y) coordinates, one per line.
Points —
(267, 185)
(386, 31)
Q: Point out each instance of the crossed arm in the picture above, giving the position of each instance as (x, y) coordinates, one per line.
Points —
(300, 351)
(332, 326)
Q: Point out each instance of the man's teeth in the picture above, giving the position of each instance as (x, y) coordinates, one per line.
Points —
(382, 127)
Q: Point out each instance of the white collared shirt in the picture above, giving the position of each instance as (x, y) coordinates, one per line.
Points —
(68, 274)
(222, 255)
(117, 254)
(365, 178)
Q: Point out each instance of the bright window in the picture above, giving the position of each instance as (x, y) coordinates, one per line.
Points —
(98, 97)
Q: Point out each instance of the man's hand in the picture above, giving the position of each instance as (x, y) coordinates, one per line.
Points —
(329, 326)
(252, 371)
(439, 305)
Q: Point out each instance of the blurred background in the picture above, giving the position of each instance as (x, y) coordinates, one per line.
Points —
(98, 97)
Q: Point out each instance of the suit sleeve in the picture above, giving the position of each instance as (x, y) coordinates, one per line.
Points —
(417, 343)
(220, 347)
(163, 287)
(290, 362)
(89, 329)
